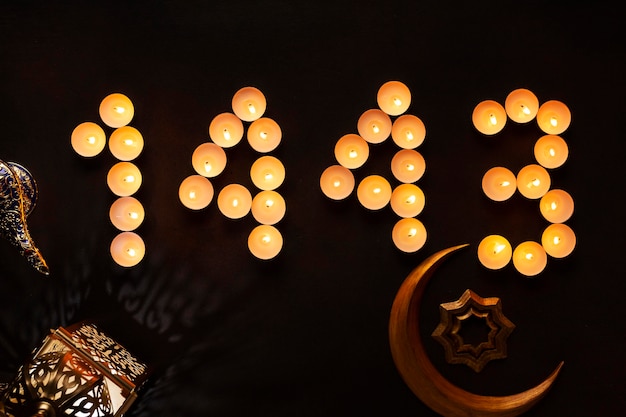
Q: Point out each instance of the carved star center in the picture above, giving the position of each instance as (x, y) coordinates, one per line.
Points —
(471, 307)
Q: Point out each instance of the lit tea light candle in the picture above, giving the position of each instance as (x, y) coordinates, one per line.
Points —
(408, 131)
(407, 200)
(126, 213)
(553, 117)
(267, 173)
(88, 139)
(351, 151)
(521, 105)
(226, 130)
(127, 249)
(374, 126)
(533, 181)
(394, 98)
(494, 252)
(264, 135)
(409, 235)
(551, 151)
(124, 179)
(268, 207)
(489, 117)
(556, 206)
(126, 143)
(196, 192)
(499, 183)
(408, 165)
(530, 258)
(559, 240)
(337, 182)
(374, 192)
(249, 104)
(265, 242)
(234, 201)
(116, 110)
(208, 159)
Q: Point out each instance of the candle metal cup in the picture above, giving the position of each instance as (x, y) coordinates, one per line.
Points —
(265, 242)
(551, 151)
(407, 200)
(553, 117)
(408, 131)
(494, 252)
(268, 207)
(559, 240)
(374, 126)
(337, 182)
(351, 151)
(264, 135)
(127, 249)
(556, 206)
(234, 201)
(489, 117)
(88, 139)
(116, 110)
(374, 192)
(226, 130)
(249, 104)
(521, 105)
(126, 143)
(408, 165)
(124, 179)
(267, 173)
(208, 159)
(530, 258)
(394, 98)
(409, 235)
(126, 213)
(533, 181)
(499, 183)
(196, 192)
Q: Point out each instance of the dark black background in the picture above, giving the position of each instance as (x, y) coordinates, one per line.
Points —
(305, 334)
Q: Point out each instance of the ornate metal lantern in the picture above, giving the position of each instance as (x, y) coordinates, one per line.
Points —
(78, 371)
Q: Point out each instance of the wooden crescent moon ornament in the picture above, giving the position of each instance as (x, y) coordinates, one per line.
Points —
(423, 378)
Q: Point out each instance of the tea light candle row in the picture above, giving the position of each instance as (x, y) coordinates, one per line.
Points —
(267, 173)
(530, 258)
(124, 178)
(374, 192)
(532, 181)
(521, 106)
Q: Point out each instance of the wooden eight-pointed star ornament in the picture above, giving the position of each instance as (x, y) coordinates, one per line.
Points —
(449, 331)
